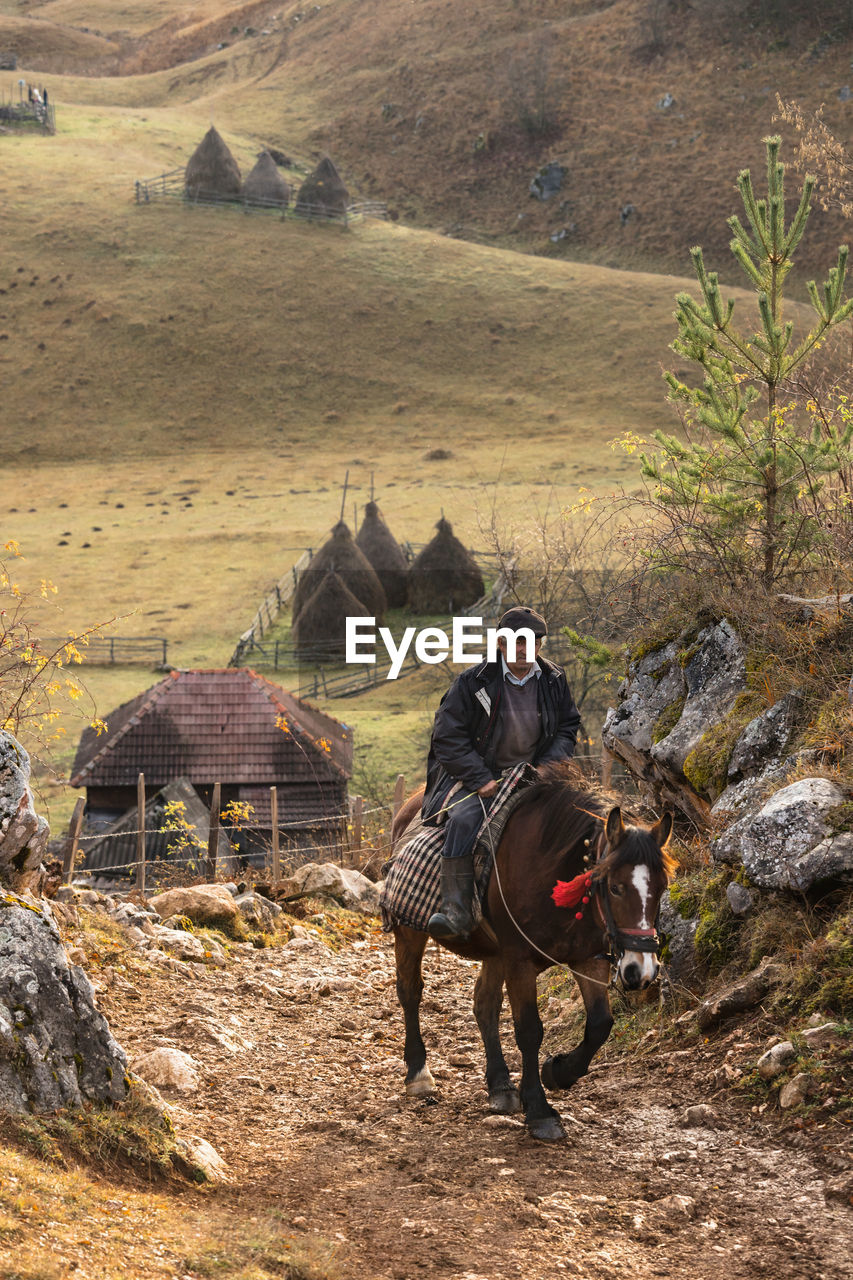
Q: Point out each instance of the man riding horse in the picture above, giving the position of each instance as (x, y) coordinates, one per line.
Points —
(494, 715)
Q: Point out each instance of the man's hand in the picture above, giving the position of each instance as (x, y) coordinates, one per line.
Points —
(488, 789)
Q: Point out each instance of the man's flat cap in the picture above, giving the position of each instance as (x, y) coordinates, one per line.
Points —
(520, 616)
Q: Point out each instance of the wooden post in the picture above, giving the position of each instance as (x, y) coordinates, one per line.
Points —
(213, 833)
(72, 841)
(276, 865)
(606, 767)
(399, 795)
(140, 834)
(357, 827)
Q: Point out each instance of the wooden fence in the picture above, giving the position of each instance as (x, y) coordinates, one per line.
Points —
(108, 651)
(27, 116)
(269, 609)
(172, 186)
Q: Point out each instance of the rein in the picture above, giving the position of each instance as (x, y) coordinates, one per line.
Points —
(559, 963)
(621, 940)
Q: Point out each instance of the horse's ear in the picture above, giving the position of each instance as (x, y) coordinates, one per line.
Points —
(614, 827)
(662, 830)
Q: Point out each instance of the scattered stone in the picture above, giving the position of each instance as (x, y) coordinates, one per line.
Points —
(825, 1035)
(700, 1116)
(258, 911)
(197, 1159)
(348, 887)
(188, 946)
(775, 1060)
(666, 102)
(548, 181)
(796, 1090)
(205, 904)
(168, 1069)
(744, 993)
(740, 899)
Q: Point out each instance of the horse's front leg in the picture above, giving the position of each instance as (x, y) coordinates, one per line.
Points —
(542, 1120)
(561, 1071)
(409, 947)
(488, 997)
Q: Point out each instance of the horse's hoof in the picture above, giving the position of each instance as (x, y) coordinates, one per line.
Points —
(422, 1085)
(504, 1102)
(547, 1129)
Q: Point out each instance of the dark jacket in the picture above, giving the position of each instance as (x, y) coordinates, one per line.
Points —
(468, 724)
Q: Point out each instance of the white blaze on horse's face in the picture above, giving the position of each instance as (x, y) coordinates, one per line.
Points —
(637, 969)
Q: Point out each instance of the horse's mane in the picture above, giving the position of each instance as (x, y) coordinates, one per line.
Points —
(572, 810)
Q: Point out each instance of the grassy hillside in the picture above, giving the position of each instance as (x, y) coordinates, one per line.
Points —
(184, 388)
(447, 110)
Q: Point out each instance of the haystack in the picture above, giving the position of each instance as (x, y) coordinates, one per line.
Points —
(320, 629)
(265, 185)
(341, 555)
(382, 549)
(323, 194)
(444, 577)
(212, 172)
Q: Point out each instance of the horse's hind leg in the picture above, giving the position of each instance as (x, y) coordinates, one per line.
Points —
(488, 998)
(409, 947)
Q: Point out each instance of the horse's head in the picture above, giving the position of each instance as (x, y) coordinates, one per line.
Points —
(630, 877)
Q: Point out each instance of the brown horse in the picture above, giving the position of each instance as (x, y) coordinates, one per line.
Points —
(565, 842)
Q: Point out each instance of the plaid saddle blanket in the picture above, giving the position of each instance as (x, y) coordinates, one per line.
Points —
(411, 892)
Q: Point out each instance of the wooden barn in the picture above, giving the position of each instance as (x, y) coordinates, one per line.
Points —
(232, 727)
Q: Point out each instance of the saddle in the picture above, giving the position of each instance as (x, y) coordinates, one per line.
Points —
(411, 892)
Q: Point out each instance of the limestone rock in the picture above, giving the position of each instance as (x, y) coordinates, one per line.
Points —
(825, 1035)
(745, 993)
(205, 904)
(796, 1090)
(168, 1069)
(740, 899)
(188, 946)
(775, 1060)
(56, 1049)
(23, 834)
(257, 910)
(681, 963)
(714, 677)
(787, 844)
(548, 181)
(197, 1159)
(765, 736)
(700, 1116)
(840, 1188)
(348, 887)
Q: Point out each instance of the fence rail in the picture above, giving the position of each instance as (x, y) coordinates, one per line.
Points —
(172, 186)
(112, 650)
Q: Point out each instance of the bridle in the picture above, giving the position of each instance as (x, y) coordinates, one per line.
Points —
(621, 940)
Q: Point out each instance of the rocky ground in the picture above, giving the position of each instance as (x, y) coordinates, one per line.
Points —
(301, 1092)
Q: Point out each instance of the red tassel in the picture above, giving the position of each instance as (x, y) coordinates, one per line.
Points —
(568, 893)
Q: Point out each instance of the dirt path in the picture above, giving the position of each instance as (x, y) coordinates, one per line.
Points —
(307, 1108)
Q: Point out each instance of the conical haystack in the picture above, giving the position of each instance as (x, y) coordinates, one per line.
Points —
(323, 194)
(265, 185)
(444, 577)
(320, 630)
(212, 172)
(341, 555)
(380, 546)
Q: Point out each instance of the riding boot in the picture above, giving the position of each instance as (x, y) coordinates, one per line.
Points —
(454, 918)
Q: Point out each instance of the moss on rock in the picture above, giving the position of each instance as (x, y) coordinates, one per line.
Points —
(706, 767)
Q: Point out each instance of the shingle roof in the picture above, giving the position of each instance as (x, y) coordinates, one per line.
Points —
(228, 726)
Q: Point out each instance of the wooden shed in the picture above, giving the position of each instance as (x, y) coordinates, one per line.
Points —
(232, 727)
